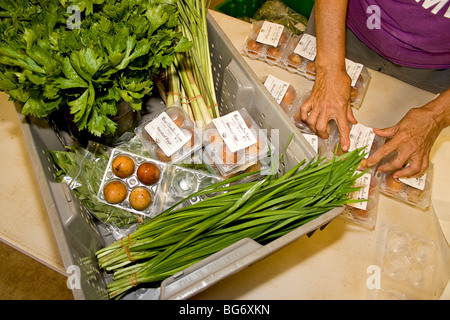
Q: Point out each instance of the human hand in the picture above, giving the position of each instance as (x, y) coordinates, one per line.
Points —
(330, 100)
(412, 140)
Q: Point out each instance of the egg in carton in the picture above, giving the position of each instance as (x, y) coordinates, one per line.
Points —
(415, 191)
(364, 213)
(266, 41)
(299, 56)
(131, 182)
(234, 142)
(170, 136)
(282, 91)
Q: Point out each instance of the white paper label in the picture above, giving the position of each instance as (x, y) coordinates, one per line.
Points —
(166, 134)
(361, 136)
(276, 87)
(363, 193)
(234, 131)
(306, 47)
(313, 140)
(353, 70)
(418, 183)
(270, 33)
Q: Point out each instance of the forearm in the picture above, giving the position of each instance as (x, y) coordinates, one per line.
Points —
(330, 33)
(440, 109)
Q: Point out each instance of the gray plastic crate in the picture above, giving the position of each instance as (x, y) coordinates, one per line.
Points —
(79, 236)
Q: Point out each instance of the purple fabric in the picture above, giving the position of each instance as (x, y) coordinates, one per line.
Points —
(413, 33)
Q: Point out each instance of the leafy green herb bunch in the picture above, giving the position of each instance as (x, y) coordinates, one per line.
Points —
(85, 55)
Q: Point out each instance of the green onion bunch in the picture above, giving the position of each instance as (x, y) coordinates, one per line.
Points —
(231, 210)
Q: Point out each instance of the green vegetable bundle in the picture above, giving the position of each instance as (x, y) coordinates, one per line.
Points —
(85, 55)
(83, 170)
(262, 210)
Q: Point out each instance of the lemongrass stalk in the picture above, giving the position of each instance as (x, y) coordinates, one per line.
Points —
(185, 104)
(198, 97)
(207, 60)
(193, 24)
(198, 115)
(173, 90)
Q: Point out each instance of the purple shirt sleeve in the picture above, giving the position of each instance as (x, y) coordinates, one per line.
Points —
(413, 33)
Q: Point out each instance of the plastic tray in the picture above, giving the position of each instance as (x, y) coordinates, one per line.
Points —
(79, 236)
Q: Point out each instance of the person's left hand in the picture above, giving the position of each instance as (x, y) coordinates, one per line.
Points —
(412, 140)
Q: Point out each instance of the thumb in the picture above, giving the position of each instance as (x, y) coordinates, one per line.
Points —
(386, 132)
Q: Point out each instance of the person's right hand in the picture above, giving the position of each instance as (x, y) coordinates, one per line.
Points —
(330, 100)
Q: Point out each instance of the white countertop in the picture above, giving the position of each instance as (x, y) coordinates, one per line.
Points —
(332, 264)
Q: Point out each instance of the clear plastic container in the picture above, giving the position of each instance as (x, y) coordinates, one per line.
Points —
(131, 182)
(299, 56)
(359, 89)
(183, 182)
(409, 261)
(266, 41)
(234, 142)
(414, 191)
(364, 213)
(170, 136)
(282, 91)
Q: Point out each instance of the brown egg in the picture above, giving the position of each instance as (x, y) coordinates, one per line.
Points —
(283, 38)
(414, 195)
(360, 213)
(274, 53)
(290, 95)
(229, 157)
(392, 184)
(148, 173)
(140, 198)
(253, 150)
(363, 165)
(115, 192)
(254, 47)
(353, 94)
(176, 116)
(122, 166)
(147, 136)
(214, 137)
(294, 59)
(161, 155)
(311, 68)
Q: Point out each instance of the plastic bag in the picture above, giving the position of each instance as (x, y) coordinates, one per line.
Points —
(278, 12)
(82, 169)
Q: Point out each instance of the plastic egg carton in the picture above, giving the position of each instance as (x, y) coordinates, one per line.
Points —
(132, 182)
(234, 142)
(408, 262)
(294, 113)
(414, 191)
(299, 56)
(364, 213)
(170, 136)
(182, 183)
(282, 91)
(266, 41)
(359, 88)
